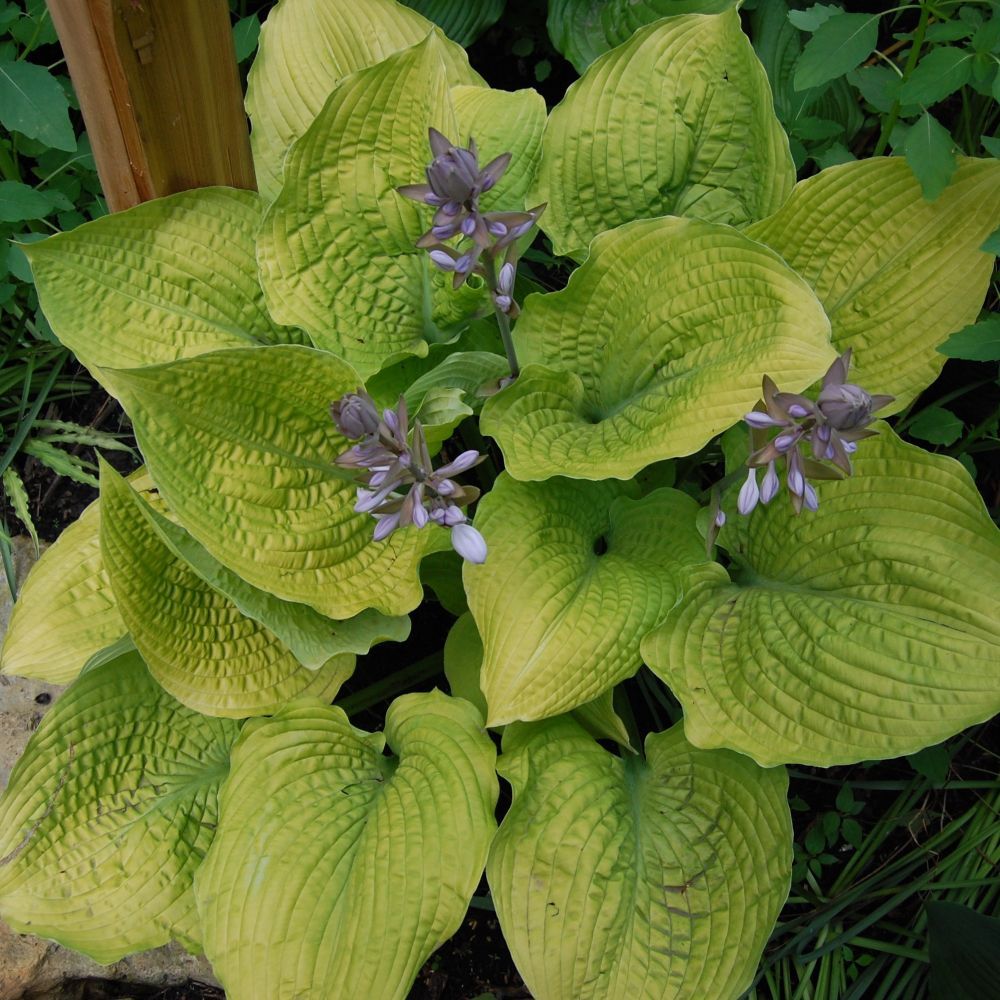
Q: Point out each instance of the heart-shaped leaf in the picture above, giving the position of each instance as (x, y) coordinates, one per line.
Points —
(868, 629)
(108, 814)
(66, 610)
(196, 642)
(658, 343)
(895, 273)
(616, 878)
(243, 448)
(306, 48)
(463, 664)
(167, 279)
(577, 573)
(337, 249)
(379, 865)
(677, 121)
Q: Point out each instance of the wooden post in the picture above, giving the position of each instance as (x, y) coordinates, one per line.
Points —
(160, 94)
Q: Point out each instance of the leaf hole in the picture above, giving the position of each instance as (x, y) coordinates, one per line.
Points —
(600, 545)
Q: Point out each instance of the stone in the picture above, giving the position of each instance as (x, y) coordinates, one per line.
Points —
(32, 968)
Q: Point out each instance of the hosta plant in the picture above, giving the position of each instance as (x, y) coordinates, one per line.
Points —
(312, 374)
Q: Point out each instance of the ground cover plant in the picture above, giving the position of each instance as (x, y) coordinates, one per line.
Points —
(689, 489)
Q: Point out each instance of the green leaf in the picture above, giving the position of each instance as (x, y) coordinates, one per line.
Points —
(379, 865)
(678, 121)
(66, 610)
(246, 32)
(658, 344)
(930, 152)
(575, 28)
(936, 425)
(463, 662)
(167, 279)
(242, 447)
(577, 573)
(896, 275)
(811, 18)
(616, 878)
(463, 21)
(108, 814)
(17, 497)
(19, 202)
(976, 342)
(584, 29)
(939, 73)
(965, 952)
(336, 249)
(33, 103)
(853, 633)
(306, 48)
(839, 44)
(195, 641)
(934, 763)
(991, 144)
(992, 243)
(62, 463)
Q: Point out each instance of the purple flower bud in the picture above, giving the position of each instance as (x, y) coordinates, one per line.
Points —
(468, 543)
(496, 229)
(420, 515)
(784, 441)
(749, 494)
(505, 279)
(445, 487)
(469, 225)
(760, 420)
(460, 464)
(465, 263)
(810, 498)
(453, 515)
(845, 406)
(720, 518)
(503, 302)
(451, 208)
(770, 484)
(443, 232)
(355, 415)
(798, 411)
(443, 260)
(387, 524)
(850, 447)
(796, 481)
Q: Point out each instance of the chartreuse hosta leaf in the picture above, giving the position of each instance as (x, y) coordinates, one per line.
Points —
(167, 279)
(677, 121)
(578, 572)
(618, 878)
(895, 273)
(336, 870)
(306, 48)
(243, 448)
(66, 610)
(459, 19)
(336, 249)
(108, 814)
(463, 663)
(196, 642)
(868, 629)
(658, 343)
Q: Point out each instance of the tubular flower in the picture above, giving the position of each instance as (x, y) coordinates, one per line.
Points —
(455, 182)
(397, 482)
(809, 433)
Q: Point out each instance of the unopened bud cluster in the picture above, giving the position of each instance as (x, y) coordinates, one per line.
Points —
(808, 434)
(454, 185)
(398, 484)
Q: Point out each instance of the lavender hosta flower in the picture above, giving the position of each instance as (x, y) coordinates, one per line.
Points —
(397, 482)
(832, 426)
